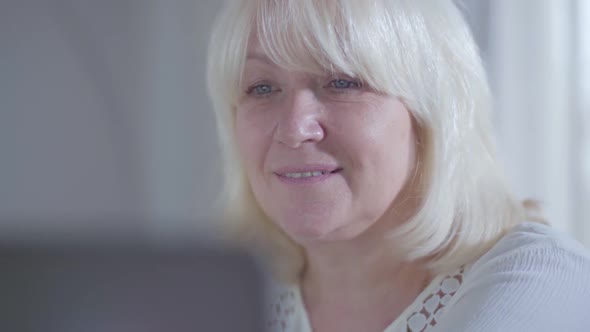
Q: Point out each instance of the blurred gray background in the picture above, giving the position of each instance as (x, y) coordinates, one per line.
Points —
(104, 116)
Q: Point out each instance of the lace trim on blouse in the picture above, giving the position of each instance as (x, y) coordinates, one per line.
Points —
(433, 306)
(281, 311)
(422, 315)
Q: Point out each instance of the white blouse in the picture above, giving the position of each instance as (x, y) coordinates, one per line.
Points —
(533, 279)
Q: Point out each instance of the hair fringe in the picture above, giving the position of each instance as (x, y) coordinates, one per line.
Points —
(419, 51)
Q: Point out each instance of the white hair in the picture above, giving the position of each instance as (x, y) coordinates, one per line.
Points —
(420, 51)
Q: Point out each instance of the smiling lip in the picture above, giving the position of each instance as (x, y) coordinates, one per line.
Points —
(328, 170)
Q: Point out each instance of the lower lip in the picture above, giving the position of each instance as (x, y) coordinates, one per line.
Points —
(306, 180)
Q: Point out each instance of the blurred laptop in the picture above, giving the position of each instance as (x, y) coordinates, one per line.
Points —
(129, 288)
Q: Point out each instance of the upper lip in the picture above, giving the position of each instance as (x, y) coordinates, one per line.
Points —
(305, 168)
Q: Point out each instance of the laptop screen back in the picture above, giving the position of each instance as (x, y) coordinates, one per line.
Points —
(129, 289)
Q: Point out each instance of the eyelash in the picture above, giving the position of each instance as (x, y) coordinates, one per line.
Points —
(350, 84)
(252, 90)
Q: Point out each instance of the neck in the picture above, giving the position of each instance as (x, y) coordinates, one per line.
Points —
(348, 290)
(348, 269)
(361, 279)
(363, 261)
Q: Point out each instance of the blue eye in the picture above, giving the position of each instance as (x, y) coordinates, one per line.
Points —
(260, 90)
(344, 84)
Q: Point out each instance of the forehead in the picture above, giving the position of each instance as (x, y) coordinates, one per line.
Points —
(255, 52)
(266, 51)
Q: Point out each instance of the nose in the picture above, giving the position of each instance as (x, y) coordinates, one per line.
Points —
(299, 120)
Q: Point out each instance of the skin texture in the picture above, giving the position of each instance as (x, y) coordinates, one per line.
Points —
(292, 121)
(288, 122)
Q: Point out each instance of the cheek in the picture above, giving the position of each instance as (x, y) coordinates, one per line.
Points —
(252, 140)
(397, 144)
(241, 136)
(383, 130)
(246, 140)
(402, 157)
(385, 145)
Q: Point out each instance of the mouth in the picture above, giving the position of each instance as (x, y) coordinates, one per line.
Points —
(308, 173)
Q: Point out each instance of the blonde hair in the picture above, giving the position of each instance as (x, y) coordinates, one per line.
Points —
(420, 51)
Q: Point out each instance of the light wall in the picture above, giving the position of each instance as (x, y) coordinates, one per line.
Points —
(104, 116)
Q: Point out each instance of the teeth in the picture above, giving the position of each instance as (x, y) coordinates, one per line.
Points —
(305, 174)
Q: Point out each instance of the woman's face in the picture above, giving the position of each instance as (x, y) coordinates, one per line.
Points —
(325, 156)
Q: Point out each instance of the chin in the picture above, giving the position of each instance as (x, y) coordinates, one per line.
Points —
(304, 230)
(308, 231)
